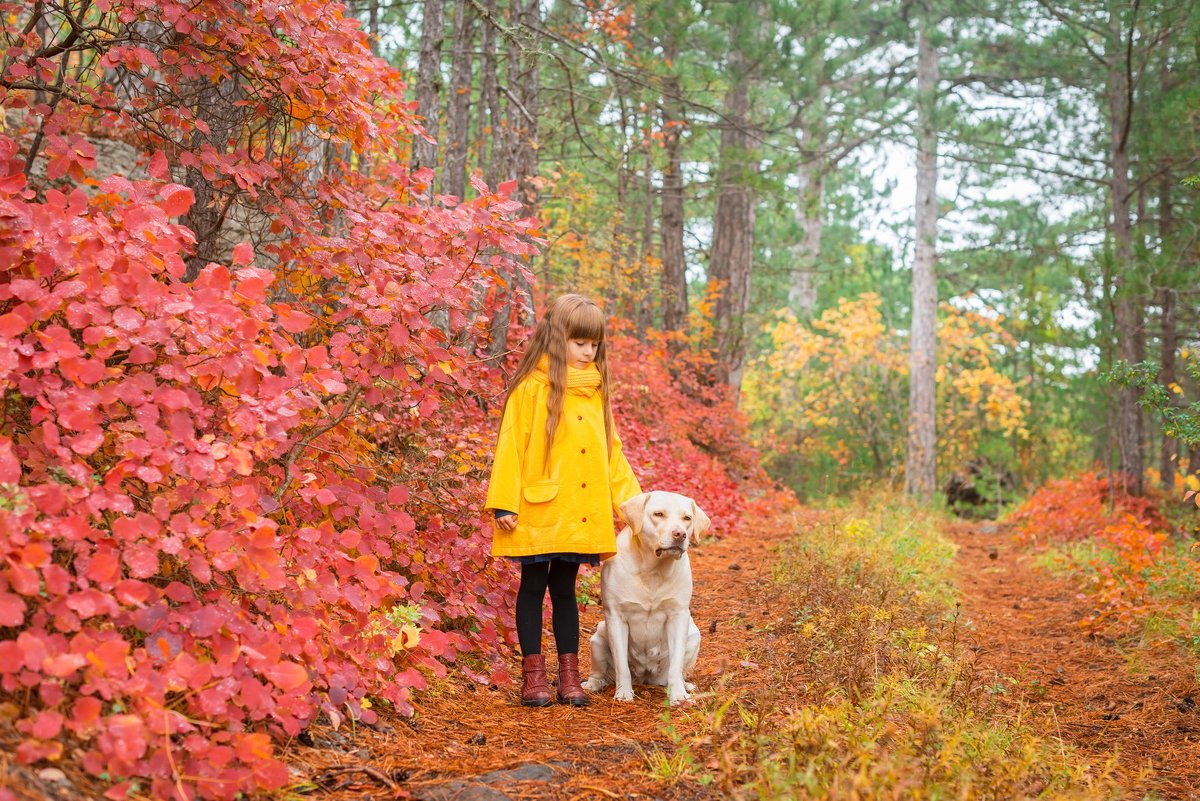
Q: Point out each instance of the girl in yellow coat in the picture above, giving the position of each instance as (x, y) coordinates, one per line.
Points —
(558, 476)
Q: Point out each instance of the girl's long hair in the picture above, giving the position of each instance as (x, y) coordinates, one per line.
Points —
(569, 317)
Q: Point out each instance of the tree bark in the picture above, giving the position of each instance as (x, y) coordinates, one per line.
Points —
(921, 469)
(645, 301)
(674, 268)
(733, 227)
(1169, 339)
(458, 113)
(810, 207)
(523, 88)
(810, 210)
(429, 83)
(217, 107)
(491, 123)
(1127, 309)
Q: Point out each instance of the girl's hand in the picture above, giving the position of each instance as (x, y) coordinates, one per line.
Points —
(508, 522)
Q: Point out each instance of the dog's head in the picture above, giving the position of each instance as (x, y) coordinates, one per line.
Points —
(665, 522)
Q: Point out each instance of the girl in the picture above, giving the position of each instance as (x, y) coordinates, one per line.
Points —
(558, 475)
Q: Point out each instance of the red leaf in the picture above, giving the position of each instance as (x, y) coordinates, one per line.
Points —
(252, 748)
(11, 325)
(243, 254)
(157, 168)
(10, 465)
(287, 676)
(176, 199)
(47, 725)
(292, 320)
(12, 610)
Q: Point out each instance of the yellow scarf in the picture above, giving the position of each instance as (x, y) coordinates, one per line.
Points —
(583, 381)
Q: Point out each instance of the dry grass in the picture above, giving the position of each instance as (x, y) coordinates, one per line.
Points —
(877, 694)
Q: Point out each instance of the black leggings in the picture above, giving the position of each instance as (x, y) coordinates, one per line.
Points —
(559, 576)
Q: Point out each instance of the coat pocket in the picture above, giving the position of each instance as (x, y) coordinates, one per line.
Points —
(540, 510)
(540, 493)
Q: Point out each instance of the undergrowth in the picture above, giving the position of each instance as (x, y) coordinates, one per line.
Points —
(1136, 564)
(1170, 587)
(875, 696)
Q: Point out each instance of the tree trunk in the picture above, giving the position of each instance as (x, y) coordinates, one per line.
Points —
(373, 24)
(218, 109)
(810, 208)
(1127, 310)
(523, 114)
(810, 211)
(674, 268)
(429, 83)
(491, 126)
(921, 468)
(458, 113)
(733, 227)
(645, 301)
(1169, 339)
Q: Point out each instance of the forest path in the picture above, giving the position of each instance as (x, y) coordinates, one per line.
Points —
(1139, 707)
(471, 743)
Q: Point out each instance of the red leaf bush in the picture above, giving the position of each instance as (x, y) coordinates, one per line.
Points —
(192, 549)
(1092, 507)
(1079, 507)
(238, 492)
(681, 430)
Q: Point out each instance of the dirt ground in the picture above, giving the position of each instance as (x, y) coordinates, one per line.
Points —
(473, 743)
(1139, 706)
(463, 742)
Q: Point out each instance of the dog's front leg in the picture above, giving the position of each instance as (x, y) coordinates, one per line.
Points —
(618, 648)
(677, 641)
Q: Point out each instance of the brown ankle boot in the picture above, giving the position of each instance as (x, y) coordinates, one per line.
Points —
(534, 691)
(569, 689)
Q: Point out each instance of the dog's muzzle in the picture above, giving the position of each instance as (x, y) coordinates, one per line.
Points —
(675, 550)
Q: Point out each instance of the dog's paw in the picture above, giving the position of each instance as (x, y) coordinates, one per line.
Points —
(595, 684)
(691, 688)
(623, 694)
(677, 695)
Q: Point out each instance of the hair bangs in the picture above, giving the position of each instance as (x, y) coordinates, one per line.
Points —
(585, 321)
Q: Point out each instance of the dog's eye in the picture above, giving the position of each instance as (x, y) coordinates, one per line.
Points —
(687, 519)
(660, 514)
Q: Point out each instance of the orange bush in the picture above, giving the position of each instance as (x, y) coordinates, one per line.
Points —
(1131, 529)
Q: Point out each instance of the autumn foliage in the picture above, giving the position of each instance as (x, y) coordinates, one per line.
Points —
(1094, 507)
(240, 487)
(829, 395)
(681, 430)
(232, 493)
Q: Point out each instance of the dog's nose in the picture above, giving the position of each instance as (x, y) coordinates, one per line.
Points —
(679, 536)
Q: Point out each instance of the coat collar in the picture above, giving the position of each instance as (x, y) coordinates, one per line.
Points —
(583, 382)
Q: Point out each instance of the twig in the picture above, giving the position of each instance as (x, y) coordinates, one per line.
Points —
(374, 773)
(299, 446)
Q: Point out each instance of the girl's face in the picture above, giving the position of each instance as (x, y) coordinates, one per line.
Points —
(581, 352)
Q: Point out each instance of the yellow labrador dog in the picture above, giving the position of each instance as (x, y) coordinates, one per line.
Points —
(647, 635)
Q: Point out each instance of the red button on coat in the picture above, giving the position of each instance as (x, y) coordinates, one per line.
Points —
(583, 450)
(583, 485)
(585, 519)
(580, 417)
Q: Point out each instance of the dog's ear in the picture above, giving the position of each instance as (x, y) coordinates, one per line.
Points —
(700, 523)
(633, 510)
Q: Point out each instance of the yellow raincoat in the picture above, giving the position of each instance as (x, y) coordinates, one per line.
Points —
(568, 508)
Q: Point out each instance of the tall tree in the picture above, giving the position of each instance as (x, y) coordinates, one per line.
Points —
(458, 111)
(1128, 305)
(674, 267)
(734, 213)
(921, 470)
(429, 82)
